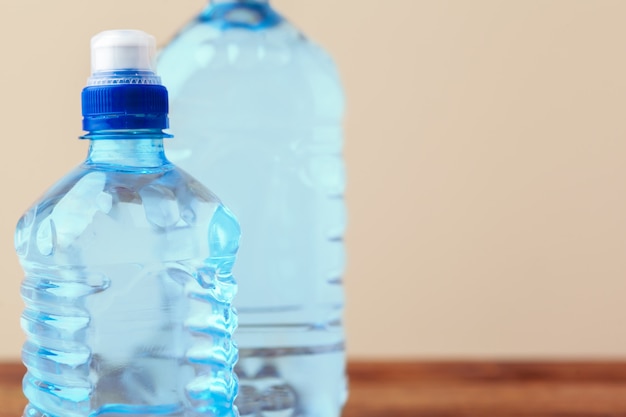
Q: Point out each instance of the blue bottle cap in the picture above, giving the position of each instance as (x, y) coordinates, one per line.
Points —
(124, 91)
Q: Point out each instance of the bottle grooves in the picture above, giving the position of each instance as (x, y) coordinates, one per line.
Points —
(212, 353)
(55, 353)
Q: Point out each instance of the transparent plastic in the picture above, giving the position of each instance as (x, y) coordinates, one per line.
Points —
(257, 111)
(128, 288)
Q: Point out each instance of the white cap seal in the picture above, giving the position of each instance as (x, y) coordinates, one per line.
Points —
(123, 50)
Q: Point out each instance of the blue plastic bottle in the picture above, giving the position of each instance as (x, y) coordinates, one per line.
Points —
(128, 260)
(257, 112)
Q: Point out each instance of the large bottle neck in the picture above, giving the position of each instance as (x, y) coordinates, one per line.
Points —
(122, 151)
(241, 14)
(238, 1)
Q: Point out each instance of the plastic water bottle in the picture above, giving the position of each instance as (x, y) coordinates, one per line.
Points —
(257, 111)
(128, 260)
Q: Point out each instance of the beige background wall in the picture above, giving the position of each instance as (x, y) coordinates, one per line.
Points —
(486, 152)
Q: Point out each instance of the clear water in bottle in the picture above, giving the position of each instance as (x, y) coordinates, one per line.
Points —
(128, 285)
(257, 110)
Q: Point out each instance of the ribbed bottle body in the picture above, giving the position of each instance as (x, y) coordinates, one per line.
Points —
(128, 291)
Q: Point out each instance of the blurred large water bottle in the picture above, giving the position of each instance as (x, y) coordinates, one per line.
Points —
(257, 110)
(128, 261)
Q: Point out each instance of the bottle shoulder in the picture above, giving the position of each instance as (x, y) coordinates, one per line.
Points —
(241, 78)
(88, 181)
(203, 46)
(96, 209)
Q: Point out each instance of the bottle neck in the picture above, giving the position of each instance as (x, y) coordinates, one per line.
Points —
(124, 151)
(212, 2)
(240, 14)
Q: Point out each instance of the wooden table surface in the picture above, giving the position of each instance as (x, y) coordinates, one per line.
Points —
(468, 389)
